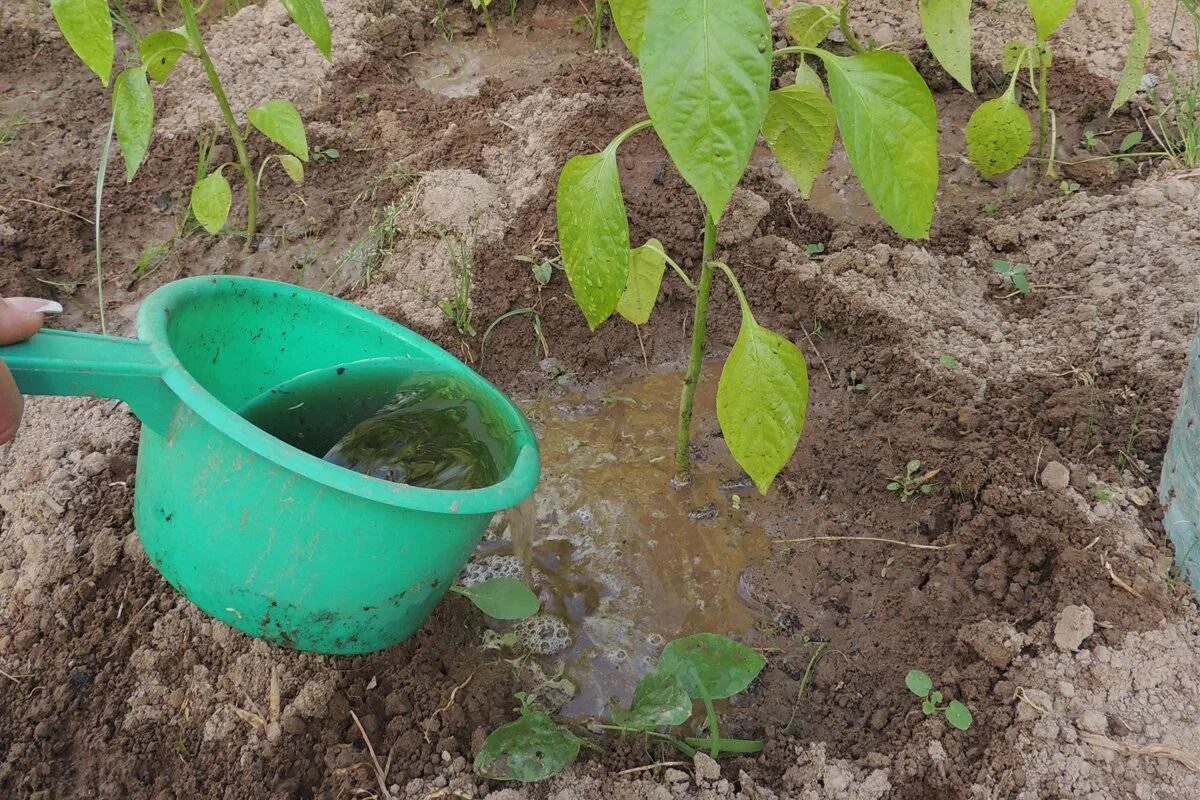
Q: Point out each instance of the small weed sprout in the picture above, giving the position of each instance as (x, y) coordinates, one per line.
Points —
(855, 383)
(1014, 275)
(912, 482)
(949, 363)
(462, 272)
(956, 713)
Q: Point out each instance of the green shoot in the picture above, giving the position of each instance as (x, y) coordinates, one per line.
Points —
(912, 482)
(933, 702)
(1014, 275)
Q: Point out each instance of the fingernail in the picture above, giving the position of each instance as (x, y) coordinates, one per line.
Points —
(35, 305)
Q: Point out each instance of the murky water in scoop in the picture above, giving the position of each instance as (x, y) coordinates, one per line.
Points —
(629, 561)
(381, 418)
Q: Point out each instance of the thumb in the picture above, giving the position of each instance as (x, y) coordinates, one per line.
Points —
(21, 317)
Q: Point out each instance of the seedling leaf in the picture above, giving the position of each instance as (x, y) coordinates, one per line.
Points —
(918, 683)
(1135, 59)
(808, 24)
(929, 708)
(913, 466)
(646, 267)
(1013, 50)
(528, 750)
(88, 29)
(630, 19)
(593, 233)
(888, 122)
(211, 199)
(1049, 15)
(950, 363)
(998, 135)
(659, 700)
(959, 715)
(1130, 141)
(292, 166)
(762, 402)
(947, 27)
(159, 52)
(935, 697)
(799, 127)
(133, 117)
(502, 598)
(706, 73)
(309, 16)
(280, 122)
(710, 664)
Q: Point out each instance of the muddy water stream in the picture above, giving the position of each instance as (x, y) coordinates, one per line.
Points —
(627, 561)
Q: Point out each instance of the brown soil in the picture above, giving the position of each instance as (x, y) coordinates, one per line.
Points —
(115, 687)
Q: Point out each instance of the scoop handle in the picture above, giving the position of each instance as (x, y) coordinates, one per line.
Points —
(70, 364)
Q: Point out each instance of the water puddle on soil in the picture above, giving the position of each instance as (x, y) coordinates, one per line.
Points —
(627, 561)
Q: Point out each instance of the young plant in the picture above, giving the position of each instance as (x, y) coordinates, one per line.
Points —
(87, 25)
(957, 714)
(999, 134)
(700, 668)
(1015, 275)
(913, 482)
(706, 74)
(501, 598)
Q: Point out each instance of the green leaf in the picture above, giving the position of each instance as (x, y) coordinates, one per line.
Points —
(808, 24)
(1013, 49)
(1049, 15)
(918, 683)
(279, 121)
(929, 708)
(762, 401)
(949, 362)
(133, 117)
(531, 749)
(912, 466)
(630, 19)
(211, 199)
(710, 664)
(292, 166)
(87, 27)
(160, 50)
(1130, 141)
(889, 126)
(1135, 60)
(959, 715)
(799, 128)
(646, 267)
(706, 73)
(998, 135)
(935, 697)
(947, 27)
(659, 700)
(502, 598)
(309, 15)
(593, 233)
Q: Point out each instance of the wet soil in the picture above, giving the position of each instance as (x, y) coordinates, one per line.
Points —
(112, 686)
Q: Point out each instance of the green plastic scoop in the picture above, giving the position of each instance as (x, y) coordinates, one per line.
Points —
(261, 535)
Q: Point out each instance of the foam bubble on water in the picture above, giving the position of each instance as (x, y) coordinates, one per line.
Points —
(490, 567)
(543, 635)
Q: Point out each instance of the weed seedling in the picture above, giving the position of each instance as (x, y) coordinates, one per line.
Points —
(1014, 275)
(949, 363)
(462, 272)
(854, 383)
(87, 25)
(913, 482)
(956, 713)
(1069, 188)
(706, 72)
(814, 249)
(325, 154)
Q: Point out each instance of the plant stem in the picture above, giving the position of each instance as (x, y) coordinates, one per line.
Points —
(101, 174)
(1044, 105)
(847, 31)
(714, 732)
(598, 25)
(683, 442)
(239, 142)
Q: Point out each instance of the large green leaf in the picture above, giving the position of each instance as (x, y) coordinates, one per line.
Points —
(646, 267)
(531, 749)
(888, 122)
(1049, 15)
(593, 233)
(502, 598)
(998, 135)
(659, 700)
(133, 117)
(947, 27)
(808, 24)
(309, 15)
(160, 50)
(630, 18)
(87, 27)
(211, 199)
(762, 401)
(280, 122)
(799, 128)
(1135, 60)
(706, 73)
(711, 665)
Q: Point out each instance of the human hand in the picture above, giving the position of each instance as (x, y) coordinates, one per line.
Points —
(20, 318)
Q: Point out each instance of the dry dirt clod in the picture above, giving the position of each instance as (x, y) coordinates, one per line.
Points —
(707, 770)
(1056, 477)
(1075, 624)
